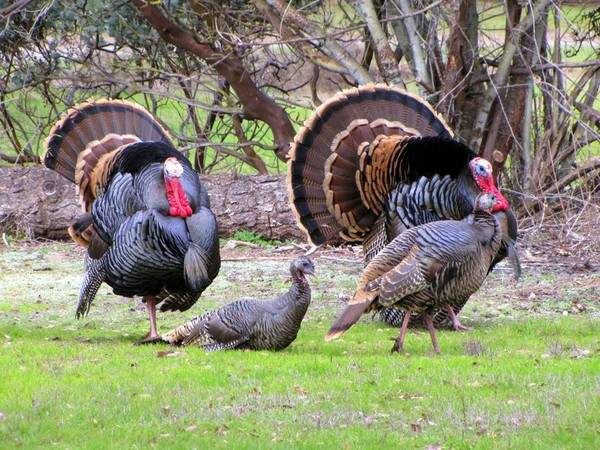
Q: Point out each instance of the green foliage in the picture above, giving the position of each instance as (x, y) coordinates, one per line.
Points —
(253, 238)
(525, 383)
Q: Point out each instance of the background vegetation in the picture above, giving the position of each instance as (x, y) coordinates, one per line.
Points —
(518, 78)
(233, 80)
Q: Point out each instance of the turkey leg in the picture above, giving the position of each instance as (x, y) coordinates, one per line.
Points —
(399, 345)
(456, 325)
(430, 327)
(151, 307)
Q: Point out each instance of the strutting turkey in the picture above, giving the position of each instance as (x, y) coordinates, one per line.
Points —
(438, 264)
(147, 224)
(250, 323)
(375, 161)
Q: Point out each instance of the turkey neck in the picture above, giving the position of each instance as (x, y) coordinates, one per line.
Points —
(490, 230)
(298, 295)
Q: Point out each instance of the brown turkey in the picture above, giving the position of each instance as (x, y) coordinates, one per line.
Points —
(436, 265)
(375, 161)
(147, 224)
(250, 323)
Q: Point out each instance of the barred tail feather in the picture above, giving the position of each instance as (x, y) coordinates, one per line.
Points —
(346, 319)
(218, 346)
(95, 274)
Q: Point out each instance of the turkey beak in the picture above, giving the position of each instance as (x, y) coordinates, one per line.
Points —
(312, 273)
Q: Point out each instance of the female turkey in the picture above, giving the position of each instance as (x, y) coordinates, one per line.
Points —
(375, 161)
(147, 224)
(435, 265)
(250, 323)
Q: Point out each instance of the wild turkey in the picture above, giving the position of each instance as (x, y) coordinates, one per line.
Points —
(374, 161)
(435, 265)
(250, 323)
(147, 224)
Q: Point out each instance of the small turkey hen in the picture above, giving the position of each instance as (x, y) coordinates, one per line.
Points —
(147, 224)
(375, 161)
(250, 323)
(436, 265)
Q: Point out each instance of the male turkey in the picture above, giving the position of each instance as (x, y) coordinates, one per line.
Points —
(147, 224)
(375, 161)
(435, 265)
(250, 323)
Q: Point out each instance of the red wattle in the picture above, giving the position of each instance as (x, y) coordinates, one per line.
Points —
(488, 186)
(502, 204)
(179, 205)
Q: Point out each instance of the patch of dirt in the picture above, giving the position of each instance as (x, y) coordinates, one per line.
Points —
(552, 284)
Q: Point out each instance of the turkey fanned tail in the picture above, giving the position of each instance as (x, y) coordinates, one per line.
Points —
(95, 274)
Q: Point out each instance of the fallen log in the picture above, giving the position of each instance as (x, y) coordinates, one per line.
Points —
(38, 203)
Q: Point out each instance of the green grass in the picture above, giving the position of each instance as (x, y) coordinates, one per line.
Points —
(527, 376)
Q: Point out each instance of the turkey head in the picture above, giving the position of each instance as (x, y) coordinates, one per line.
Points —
(481, 169)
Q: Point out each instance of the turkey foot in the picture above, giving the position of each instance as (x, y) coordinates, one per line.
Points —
(456, 325)
(399, 344)
(152, 335)
(149, 340)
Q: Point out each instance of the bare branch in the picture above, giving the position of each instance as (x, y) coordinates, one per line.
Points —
(501, 75)
(256, 104)
(391, 71)
(330, 46)
(421, 72)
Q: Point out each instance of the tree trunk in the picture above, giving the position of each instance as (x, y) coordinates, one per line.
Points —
(503, 130)
(459, 95)
(246, 202)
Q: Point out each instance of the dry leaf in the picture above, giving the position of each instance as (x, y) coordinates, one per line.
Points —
(368, 420)
(168, 353)
(298, 388)
(416, 427)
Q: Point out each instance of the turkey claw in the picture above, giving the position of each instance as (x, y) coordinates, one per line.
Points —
(397, 348)
(149, 340)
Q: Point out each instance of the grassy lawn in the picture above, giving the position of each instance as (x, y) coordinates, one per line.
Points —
(528, 375)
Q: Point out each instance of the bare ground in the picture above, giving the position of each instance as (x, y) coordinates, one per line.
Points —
(556, 280)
